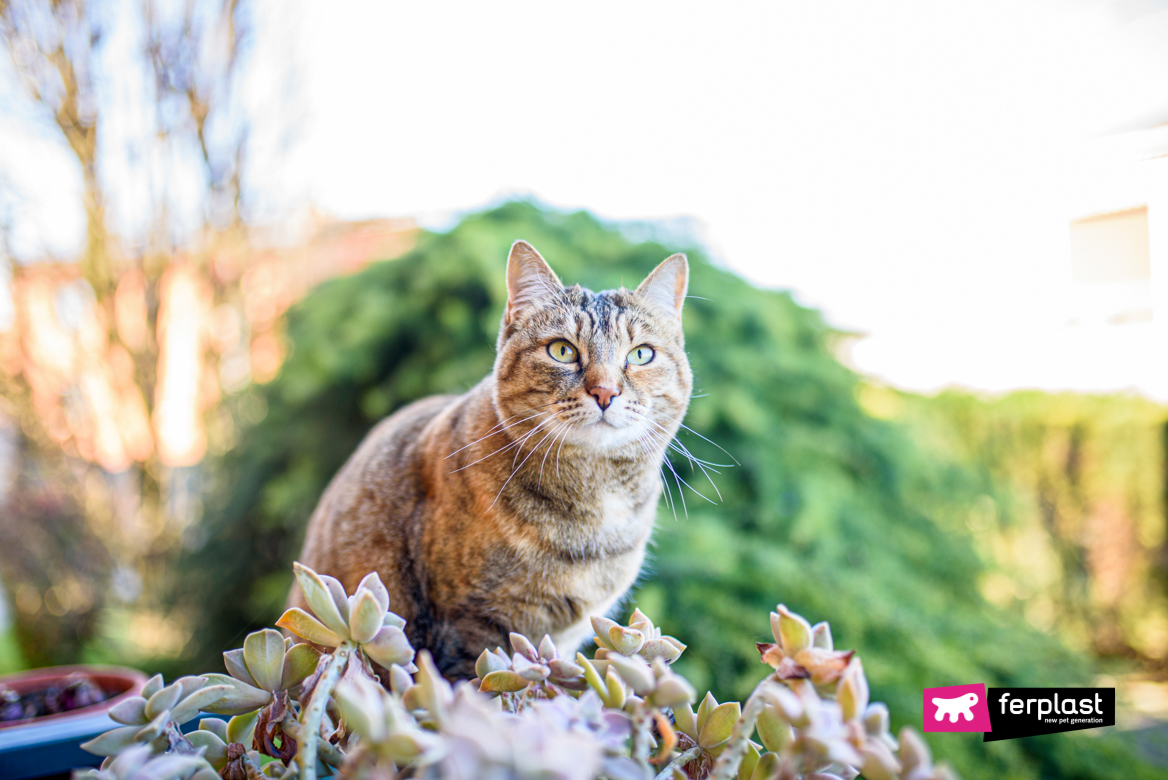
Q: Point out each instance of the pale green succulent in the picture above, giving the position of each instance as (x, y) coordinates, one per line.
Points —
(630, 679)
(362, 618)
(267, 663)
(528, 666)
(154, 717)
(385, 728)
(639, 638)
(140, 763)
(802, 651)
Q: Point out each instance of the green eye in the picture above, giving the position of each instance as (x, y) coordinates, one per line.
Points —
(562, 352)
(641, 355)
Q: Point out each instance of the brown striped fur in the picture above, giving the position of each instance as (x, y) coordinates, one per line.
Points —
(521, 505)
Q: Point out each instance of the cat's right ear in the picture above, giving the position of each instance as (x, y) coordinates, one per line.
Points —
(529, 278)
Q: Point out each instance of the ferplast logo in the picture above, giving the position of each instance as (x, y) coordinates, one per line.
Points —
(1010, 713)
(956, 708)
(1027, 712)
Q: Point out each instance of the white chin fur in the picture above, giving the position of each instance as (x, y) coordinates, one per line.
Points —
(614, 430)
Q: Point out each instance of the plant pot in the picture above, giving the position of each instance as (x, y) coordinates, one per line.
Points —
(50, 745)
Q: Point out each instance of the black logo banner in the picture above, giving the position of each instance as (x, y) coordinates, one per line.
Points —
(1027, 712)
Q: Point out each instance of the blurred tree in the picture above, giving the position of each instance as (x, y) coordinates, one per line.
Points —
(54, 48)
(108, 369)
(832, 511)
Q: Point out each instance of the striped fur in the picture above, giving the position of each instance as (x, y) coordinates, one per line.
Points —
(521, 505)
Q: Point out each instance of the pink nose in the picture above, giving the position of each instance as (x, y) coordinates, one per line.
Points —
(603, 395)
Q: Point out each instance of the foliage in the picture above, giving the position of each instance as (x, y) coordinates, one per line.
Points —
(622, 715)
(840, 512)
(1078, 531)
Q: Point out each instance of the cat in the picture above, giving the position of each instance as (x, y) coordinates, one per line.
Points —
(526, 503)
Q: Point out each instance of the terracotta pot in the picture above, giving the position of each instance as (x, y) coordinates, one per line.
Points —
(123, 682)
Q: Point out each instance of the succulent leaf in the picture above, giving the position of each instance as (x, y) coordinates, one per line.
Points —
(685, 720)
(131, 712)
(704, 709)
(153, 730)
(152, 686)
(852, 693)
(362, 705)
(794, 632)
(241, 697)
(163, 700)
(547, 648)
(824, 666)
(766, 768)
(601, 626)
(389, 646)
(216, 726)
(488, 662)
(237, 667)
(635, 672)
(365, 617)
(112, 742)
(821, 636)
(660, 648)
(749, 762)
(719, 725)
(242, 727)
(502, 681)
(672, 691)
(308, 628)
(204, 697)
(263, 652)
(773, 729)
(625, 641)
(372, 583)
(214, 748)
(321, 600)
(300, 661)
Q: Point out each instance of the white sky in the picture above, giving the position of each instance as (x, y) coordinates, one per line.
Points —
(908, 167)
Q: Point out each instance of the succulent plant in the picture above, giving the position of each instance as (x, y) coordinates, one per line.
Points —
(362, 618)
(266, 664)
(153, 717)
(528, 714)
(140, 763)
(802, 651)
(639, 638)
(528, 666)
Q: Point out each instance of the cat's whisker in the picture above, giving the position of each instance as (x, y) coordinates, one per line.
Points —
(515, 471)
(680, 492)
(531, 433)
(677, 476)
(517, 443)
(680, 448)
(494, 431)
(564, 429)
(645, 416)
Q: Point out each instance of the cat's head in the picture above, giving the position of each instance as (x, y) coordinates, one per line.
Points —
(599, 370)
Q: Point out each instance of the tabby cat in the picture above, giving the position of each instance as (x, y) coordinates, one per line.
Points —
(526, 503)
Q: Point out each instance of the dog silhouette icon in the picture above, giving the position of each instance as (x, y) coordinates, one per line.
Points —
(952, 707)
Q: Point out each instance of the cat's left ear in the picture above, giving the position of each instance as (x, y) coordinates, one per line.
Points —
(529, 278)
(666, 286)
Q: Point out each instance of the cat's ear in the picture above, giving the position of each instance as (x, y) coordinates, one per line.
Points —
(666, 286)
(529, 278)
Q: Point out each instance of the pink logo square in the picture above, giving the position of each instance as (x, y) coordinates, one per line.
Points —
(957, 708)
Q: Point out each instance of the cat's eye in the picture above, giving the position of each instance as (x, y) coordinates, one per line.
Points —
(562, 352)
(641, 355)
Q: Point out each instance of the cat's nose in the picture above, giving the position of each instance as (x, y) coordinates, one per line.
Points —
(603, 395)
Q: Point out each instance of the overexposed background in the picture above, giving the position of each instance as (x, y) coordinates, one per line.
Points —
(911, 168)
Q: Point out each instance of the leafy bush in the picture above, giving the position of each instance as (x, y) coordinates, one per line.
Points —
(839, 513)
